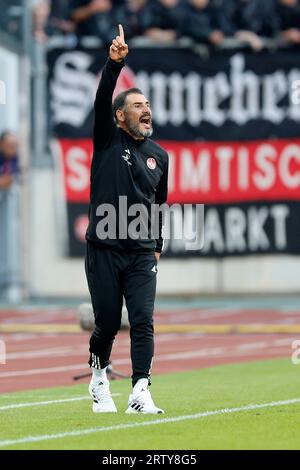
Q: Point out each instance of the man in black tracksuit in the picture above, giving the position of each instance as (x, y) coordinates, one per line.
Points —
(126, 166)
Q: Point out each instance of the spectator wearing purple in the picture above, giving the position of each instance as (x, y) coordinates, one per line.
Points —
(10, 252)
(9, 167)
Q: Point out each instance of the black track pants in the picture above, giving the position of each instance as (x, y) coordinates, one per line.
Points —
(112, 275)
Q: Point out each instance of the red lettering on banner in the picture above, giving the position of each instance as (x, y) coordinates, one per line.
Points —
(76, 158)
(224, 172)
(207, 172)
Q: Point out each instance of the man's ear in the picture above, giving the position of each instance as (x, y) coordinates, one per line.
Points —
(120, 115)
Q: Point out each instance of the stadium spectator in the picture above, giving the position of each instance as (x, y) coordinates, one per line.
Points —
(136, 15)
(165, 20)
(11, 17)
(8, 159)
(59, 21)
(201, 21)
(40, 14)
(289, 19)
(9, 217)
(94, 18)
(249, 20)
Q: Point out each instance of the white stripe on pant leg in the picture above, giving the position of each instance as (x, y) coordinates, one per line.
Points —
(151, 364)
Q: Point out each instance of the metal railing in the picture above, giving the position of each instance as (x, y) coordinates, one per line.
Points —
(71, 41)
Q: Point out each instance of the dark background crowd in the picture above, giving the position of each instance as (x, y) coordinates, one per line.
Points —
(204, 21)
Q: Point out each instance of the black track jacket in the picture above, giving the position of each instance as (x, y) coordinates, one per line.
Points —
(123, 166)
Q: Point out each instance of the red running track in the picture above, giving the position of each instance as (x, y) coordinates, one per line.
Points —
(50, 360)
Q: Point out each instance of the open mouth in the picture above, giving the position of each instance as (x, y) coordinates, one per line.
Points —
(146, 120)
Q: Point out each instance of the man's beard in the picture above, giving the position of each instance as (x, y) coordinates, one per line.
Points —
(136, 132)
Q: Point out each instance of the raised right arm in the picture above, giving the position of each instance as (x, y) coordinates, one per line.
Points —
(104, 119)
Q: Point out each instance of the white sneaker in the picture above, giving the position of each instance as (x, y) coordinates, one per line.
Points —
(102, 400)
(142, 403)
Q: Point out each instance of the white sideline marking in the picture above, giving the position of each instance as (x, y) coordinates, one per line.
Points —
(47, 437)
(49, 402)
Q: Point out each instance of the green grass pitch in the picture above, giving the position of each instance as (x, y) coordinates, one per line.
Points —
(186, 397)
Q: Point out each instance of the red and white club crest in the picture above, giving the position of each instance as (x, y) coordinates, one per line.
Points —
(151, 163)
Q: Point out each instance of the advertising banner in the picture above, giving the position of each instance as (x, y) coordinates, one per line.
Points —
(231, 126)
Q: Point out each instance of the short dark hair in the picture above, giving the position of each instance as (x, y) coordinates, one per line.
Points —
(119, 101)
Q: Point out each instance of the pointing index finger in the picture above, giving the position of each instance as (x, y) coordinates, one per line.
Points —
(121, 33)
